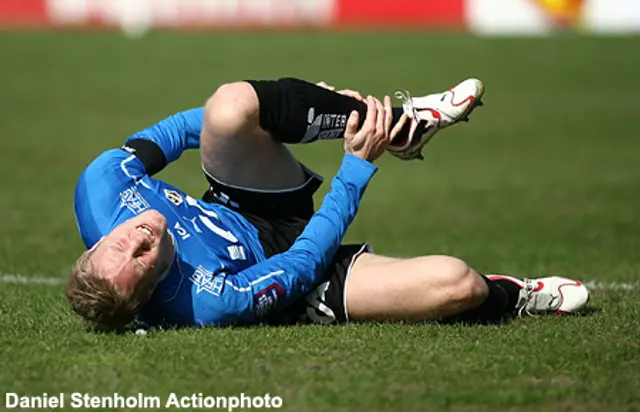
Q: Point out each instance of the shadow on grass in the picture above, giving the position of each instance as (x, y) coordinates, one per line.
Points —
(584, 312)
(505, 320)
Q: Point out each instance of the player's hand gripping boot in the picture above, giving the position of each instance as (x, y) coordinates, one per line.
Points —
(432, 113)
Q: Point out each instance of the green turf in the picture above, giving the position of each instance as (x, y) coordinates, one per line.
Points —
(544, 180)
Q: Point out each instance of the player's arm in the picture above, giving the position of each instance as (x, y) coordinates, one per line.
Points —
(101, 189)
(101, 185)
(165, 141)
(277, 282)
(281, 279)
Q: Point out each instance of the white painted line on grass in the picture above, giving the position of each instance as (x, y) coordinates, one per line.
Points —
(600, 285)
(29, 280)
(47, 280)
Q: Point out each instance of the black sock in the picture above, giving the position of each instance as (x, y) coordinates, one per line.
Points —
(492, 310)
(296, 111)
(513, 292)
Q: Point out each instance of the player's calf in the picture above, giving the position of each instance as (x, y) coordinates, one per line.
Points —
(462, 286)
(430, 287)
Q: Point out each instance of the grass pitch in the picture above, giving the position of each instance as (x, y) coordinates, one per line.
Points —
(544, 180)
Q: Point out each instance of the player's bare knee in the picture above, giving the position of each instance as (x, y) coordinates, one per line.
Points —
(473, 289)
(232, 109)
(463, 285)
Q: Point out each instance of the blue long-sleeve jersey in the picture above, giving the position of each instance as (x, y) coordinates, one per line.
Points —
(219, 275)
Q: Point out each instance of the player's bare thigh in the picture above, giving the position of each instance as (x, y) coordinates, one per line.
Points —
(388, 289)
(236, 150)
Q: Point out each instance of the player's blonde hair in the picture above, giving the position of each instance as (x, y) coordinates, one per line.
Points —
(96, 299)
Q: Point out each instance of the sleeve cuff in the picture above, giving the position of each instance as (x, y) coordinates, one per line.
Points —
(357, 170)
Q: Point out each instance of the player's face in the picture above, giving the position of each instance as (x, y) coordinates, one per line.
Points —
(137, 251)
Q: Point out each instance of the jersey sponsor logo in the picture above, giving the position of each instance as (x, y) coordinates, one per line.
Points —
(237, 252)
(206, 281)
(133, 200)
(173, 196)
(182, 232)
(267, 299)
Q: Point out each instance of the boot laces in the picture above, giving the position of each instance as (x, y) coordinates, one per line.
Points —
(526, 294)
(407, 103)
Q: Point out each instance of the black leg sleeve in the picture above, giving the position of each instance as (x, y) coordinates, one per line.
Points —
(296, 111)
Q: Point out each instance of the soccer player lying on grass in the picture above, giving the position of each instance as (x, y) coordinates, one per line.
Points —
(254, 251)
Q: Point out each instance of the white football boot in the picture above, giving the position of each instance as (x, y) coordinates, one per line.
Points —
(553, 294)
(432, 113)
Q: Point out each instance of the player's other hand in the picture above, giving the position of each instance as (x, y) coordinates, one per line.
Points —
(354, 94)
(375, 135)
